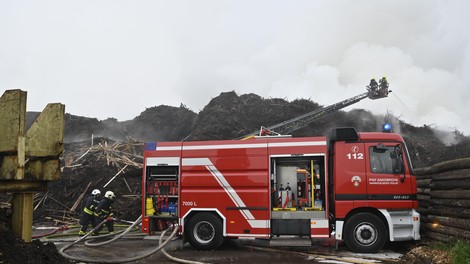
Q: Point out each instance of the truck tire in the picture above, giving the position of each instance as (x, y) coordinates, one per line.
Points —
(365, 233)
(205, 231)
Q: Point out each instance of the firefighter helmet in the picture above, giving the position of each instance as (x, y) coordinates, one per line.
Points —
(109, 195)
(96, 192)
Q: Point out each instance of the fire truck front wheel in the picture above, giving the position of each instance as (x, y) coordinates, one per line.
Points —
(365, 233)
(205, 231)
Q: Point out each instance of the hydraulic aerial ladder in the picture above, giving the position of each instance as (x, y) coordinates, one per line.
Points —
(374, 91)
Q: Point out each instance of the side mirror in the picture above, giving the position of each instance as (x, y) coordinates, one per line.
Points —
(399, 165)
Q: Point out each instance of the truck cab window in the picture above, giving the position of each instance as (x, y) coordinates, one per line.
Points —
(382, 159)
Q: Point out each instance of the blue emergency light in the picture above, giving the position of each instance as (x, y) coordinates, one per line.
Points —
(387, 128)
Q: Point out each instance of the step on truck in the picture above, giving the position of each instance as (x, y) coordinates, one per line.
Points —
(355, 187)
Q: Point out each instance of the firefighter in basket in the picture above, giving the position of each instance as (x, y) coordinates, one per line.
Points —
(104, 212)
(87, 216)
(383, 86)
(373, 86)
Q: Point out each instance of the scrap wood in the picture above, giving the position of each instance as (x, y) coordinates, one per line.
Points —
(58, 202)
(132, 162)
(64, 217)
(131, 196)
(84, 154)
(116, 155)
(127, 184)
(40, 201)
(119, 172)
(80, 198)
(73, 166)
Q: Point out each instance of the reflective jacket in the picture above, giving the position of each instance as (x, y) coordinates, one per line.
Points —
(104, 208)
(90, 204)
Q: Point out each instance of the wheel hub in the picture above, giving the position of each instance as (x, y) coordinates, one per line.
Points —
(204, 232)
(366, 234)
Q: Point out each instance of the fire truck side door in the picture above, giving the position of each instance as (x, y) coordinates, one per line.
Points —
(349, 176)
(387, 181)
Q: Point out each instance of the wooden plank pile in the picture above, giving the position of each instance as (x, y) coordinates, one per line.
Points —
(444, 198)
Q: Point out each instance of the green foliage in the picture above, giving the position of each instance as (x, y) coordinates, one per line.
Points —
(458, 250)
(460, 253)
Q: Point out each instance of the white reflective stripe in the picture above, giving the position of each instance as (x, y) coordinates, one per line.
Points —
(197, 162)
(326, 235)
(168, 148)
(228, 189)
(181, 220)
(248, 235)
(259, 223)
(163, 160)
(248, 146)
(318, 223)
(297, 144)
(227, 146)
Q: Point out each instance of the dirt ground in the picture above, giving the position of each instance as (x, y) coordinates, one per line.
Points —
(14, 250)
(281, 250)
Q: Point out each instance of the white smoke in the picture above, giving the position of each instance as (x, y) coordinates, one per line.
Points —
(116, 58)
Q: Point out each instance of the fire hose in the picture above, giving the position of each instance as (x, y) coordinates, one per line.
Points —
(121, 234)
(60, 228)
(162, 245)
(179, 260)
(160, 241)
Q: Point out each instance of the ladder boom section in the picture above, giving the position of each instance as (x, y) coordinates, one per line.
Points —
(374, 91)
(301, 121)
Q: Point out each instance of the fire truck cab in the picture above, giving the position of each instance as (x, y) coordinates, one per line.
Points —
(357, 187)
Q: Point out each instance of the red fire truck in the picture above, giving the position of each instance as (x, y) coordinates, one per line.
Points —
(356, 187)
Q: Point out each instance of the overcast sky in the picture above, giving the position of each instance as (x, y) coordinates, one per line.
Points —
(116, 58)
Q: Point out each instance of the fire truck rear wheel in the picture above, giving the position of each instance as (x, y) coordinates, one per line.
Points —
(365, 233)
(205, 231)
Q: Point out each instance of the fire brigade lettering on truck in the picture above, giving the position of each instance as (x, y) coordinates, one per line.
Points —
(355, 154)
(383, 181)
(228, 189)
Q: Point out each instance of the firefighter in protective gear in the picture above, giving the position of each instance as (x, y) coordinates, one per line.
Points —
(104, 211)
(373, 86)
(87, 216)
(383, 85)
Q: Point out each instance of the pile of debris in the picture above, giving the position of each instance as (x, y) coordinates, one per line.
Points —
(106, 165)
(230, 116)
(14, 250)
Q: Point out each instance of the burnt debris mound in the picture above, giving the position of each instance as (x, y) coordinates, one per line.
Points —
(107, 154)
(14, 250)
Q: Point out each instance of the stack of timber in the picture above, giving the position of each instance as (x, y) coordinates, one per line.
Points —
(444, 198)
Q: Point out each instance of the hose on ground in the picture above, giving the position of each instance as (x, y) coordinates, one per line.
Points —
(124, 260)
(179, 260)
(60, 228)
(121, 234)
